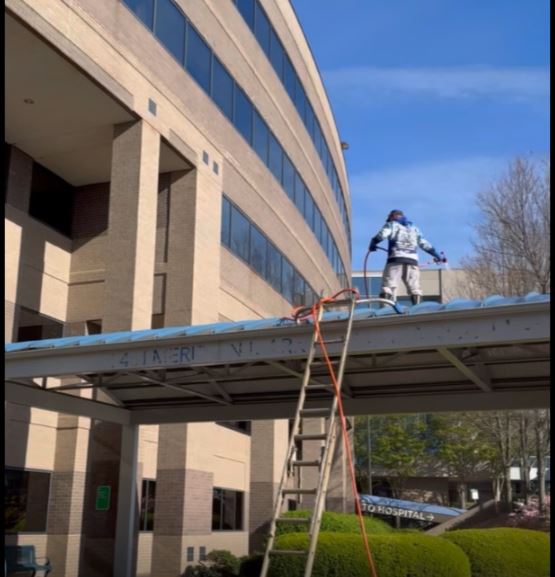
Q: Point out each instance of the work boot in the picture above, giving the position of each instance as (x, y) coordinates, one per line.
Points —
(416, 299)
(384, 295)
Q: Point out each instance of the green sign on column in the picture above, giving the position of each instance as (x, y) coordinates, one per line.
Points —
(103, 498)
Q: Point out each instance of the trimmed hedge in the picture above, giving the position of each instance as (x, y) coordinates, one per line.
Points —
(335, 523)
(503, 551)
(343, 555)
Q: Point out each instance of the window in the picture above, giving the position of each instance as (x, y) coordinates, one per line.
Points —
(275, 161)
(227, 510)
(299, 193)
(241, 426)
(258, 250)
(25, 501)
(240, 229)
(148, 496)
(34, 326)
(260, 137)
(309, 210)
(222, 88)
(51, 199)
(199, 58)
(288, 177)
(287, 280)
(274, 267)
(300, 99)
(289, 77)
(276, 53)
(246, 8)
(298, 289)
(262, 29)
(242, 114)
(144, 9)
(170, 28)
(226, 222)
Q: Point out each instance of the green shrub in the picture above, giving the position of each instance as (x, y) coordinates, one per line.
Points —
(504, 552)
(219, 563)
(395, 555)
(335, 523)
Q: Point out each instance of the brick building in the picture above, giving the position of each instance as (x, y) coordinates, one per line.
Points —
(168, 162)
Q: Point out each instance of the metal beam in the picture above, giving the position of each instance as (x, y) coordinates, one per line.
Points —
(482, 380)
(62, 403)
(393, 404)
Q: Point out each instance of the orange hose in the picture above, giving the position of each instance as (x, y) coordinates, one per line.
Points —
(343, 421)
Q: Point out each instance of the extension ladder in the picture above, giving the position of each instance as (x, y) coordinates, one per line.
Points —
(324, 464)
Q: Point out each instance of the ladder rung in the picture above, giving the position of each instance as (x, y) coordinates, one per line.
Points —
(319, 387)
(311, 437)
(286, 552)
(305, 463)
(304, 520)
(315, 412)
(299, 491)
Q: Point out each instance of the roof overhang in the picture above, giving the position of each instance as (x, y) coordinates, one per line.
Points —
(487, 358)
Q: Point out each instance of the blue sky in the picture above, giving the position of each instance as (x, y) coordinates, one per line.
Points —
(434, 97)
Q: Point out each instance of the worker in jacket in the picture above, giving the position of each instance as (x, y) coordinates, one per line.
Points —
(402, 257)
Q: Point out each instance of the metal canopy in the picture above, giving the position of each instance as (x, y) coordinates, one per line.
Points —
(462, 355)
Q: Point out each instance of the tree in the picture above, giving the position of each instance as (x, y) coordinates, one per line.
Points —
(399, 447)
(542, 436)
(512, 239)
(462, 448)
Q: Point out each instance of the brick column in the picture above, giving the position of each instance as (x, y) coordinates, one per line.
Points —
(128, 296)
(129, 283)
(269, 442)
(184, 495)
(18, 197)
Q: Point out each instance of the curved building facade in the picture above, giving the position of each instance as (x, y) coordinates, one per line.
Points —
(168, 162)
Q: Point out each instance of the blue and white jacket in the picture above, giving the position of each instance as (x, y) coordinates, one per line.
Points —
(404, 239)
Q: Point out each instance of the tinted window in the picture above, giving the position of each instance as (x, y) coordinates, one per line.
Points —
(144, 9)
(299, 193)
(276, 53)
(287, 280)
(262, 29)
(25, 501)
(51, 199)
(148, 495)
(227, 510)
(275, 162)
(226, 222)
(309, 210)
(258, 251)
(289, 77)
(242, 115)
(199, 58)
(298, 288)
(239, 234)
(274, 267)
(260, 137)
(310, 120)
(288, 178)
(246, 7)
(170, 28)
(222, 88)
(300, 99)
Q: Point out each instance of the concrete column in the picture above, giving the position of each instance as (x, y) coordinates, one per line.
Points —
(127, 521)
(129, 283)
(340, 496)
(20, 175)
(193, 261)
(269, 442)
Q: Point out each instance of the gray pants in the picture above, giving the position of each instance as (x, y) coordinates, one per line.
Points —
(409, 273)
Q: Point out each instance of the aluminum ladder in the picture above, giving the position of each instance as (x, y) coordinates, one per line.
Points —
(324, 464)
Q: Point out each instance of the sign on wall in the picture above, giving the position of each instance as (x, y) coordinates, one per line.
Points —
(103, 497)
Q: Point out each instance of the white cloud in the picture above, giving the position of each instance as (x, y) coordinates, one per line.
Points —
(363, 84)
(438, 197)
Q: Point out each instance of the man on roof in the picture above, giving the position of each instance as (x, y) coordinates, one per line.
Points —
(404, 238)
